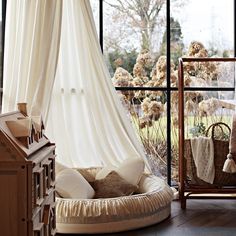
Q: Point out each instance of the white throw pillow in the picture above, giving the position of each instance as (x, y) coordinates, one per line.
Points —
(71, 184)
(131, 170)
(59, 167)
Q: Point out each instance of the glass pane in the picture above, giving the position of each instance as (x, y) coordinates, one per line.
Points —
(205, 108)
(134, 50)
(134, 40)
(174, 138)
(147, 112)
(202, 109)
(202, 28)
(209, 74)
(201, 118)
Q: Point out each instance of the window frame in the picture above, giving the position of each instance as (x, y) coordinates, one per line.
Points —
(168, 89)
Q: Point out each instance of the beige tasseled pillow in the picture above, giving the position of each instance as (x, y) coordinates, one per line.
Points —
(112, 186)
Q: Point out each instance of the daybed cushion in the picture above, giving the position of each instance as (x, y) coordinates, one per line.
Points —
(113, 185)
(130, 169)
(109, 215)
(71, 184)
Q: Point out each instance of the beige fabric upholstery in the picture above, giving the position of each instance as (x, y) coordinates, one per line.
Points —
(117, 226)
(154, 196)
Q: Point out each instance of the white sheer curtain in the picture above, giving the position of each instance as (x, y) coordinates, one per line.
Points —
(86, 118)
(46, 41)
(32, 41)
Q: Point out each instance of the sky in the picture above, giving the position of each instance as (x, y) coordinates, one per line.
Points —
(208, 21)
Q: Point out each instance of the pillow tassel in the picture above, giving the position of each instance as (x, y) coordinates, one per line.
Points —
(229, 165)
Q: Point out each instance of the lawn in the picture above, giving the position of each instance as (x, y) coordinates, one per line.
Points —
(154, 137)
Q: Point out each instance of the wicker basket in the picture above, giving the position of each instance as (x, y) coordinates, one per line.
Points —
(221, 149)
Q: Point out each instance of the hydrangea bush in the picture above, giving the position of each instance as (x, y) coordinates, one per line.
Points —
(148, 108)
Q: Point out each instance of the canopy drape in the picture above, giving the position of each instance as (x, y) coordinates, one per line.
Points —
(86, 118)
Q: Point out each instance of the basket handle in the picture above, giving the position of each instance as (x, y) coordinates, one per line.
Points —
(213, 126)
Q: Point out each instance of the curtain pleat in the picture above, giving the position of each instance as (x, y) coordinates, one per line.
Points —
(32, 39)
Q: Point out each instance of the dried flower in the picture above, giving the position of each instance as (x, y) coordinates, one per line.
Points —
(155, 109)
(145, 105)
(194, 48)
(173, 77)
(138, 70)
(202, 53)
(122, 74)
(118, 62)
(137, 81)
(144, 122)
(175, 121)
(144, 58)
(208, 107)
(190, 106)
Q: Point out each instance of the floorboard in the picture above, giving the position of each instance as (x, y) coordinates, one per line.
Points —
(201, 218)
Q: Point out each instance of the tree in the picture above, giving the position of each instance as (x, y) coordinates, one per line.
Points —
(125, 59)
(141, 16)
(176, 39)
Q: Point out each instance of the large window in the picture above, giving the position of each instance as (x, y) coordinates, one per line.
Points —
(142, 41)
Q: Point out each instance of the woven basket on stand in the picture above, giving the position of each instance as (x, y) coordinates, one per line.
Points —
(221, 149)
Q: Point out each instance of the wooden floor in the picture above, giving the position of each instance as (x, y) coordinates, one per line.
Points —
(201, 218)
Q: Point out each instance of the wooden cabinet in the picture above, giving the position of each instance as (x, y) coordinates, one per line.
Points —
(27, 180)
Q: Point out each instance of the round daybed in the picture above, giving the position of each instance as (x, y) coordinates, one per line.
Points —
(150, 206)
